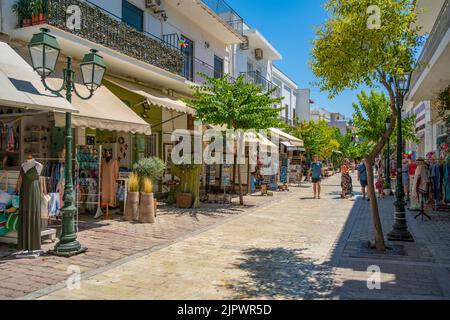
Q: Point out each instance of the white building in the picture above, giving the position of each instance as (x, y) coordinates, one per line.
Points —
(289, 92)
(432, 77)
(303, 109)
(320, 114)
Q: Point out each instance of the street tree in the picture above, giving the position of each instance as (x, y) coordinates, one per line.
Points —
(366, 42)
(239, 105)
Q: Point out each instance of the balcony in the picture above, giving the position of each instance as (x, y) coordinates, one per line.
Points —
(227, 14)
(106, 29)
(433, 69)
(266, 85)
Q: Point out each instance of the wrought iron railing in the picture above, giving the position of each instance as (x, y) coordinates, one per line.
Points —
(438, 32)
(257, 78)
(226, 13)
(103, 27)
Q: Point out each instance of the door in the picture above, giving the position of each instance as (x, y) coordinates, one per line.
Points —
(132, 15)
(188, 52)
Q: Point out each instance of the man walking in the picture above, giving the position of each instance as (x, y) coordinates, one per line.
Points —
(362, 177)
(316, 172)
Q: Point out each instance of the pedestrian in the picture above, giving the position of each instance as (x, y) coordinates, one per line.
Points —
(362, 177)
(406, 178)
(380, 186)
(316, 173)
(346, 180)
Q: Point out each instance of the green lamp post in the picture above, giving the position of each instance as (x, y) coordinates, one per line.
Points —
(387, 168)
(400, 229)
(44, 51)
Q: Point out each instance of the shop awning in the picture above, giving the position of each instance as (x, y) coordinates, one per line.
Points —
(104, 111)
(21, 87)
(284, 137)
(154, 97)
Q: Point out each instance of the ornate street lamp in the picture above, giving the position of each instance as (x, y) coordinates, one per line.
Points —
(44, 51)
(400, 229)
(387, 167)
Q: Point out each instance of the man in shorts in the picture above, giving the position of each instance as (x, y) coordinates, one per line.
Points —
(362, 177)
(316, 173)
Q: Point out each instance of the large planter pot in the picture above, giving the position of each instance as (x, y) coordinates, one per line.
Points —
(132, 207)
(26, 22)
(147, 208)
(184, 200)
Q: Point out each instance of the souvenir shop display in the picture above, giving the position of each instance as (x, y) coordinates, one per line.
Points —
(53, 182)
(89, 187)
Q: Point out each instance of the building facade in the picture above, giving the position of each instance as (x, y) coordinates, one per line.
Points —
(431, 78)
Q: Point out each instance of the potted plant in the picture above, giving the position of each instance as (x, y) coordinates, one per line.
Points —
(132, 207)
(146, 206)
(150, 168)
(387, 189)
(23, 11)
(38, 12)
(190, 177)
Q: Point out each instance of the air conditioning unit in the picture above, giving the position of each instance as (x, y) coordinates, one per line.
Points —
(245, 45)
(259, 55)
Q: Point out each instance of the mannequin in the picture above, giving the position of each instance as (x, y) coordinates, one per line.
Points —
(29, 231)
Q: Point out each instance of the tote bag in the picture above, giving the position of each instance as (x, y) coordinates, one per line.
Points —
(45, 200)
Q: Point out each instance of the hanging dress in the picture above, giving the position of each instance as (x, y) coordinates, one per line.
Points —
(110, 174)
(29, 230)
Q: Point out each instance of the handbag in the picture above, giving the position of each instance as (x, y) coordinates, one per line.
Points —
(45, 200)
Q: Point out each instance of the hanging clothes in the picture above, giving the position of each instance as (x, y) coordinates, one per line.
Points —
(447, 179)
(435, 180)
(10, 146)
(29, 231)
(110, 174)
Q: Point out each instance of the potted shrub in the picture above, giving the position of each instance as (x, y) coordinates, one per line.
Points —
(132, 207)
(146, 206)
(38, 12)
(187, 172)
(150, 168)
(23, 11)
(387, 189)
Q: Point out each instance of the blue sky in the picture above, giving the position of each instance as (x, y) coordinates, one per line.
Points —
(289, 26)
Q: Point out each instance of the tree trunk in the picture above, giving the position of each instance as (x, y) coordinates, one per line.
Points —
(379, 236)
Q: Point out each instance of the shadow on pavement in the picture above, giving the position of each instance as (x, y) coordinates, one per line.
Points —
(280, 273)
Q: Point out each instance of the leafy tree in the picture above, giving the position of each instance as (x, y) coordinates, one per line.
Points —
(238, 105)
(320, 138)
(352, 49)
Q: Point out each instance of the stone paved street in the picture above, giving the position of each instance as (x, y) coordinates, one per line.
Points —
(109, 242)
(291, 247)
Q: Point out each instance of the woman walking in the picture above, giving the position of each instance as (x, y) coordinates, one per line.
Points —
(346, 180)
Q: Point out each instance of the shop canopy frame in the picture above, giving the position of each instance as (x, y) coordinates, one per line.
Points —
(287, 138)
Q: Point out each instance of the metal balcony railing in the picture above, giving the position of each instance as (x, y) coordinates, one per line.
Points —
(257, 78)
(103, 27)
(226, 13)
(438, 32)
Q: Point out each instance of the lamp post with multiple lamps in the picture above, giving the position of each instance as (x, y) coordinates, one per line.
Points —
(400, 231)
(387, 167)
(44, 51)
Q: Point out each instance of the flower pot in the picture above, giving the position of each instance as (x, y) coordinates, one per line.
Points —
(147, 208)
(26, 22)
(35, 20)
(42, 18)
(184, 200)
(132, 207)
(387, 192)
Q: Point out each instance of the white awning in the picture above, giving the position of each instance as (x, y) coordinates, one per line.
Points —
(153, 97)
(104, 111)
(21, 87)
(283, 136)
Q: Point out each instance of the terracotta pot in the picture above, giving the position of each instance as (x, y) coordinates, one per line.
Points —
(26, 23)
(184, 200)
(132, 207)
(35, 20)
(147, 208)
(42, 18)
